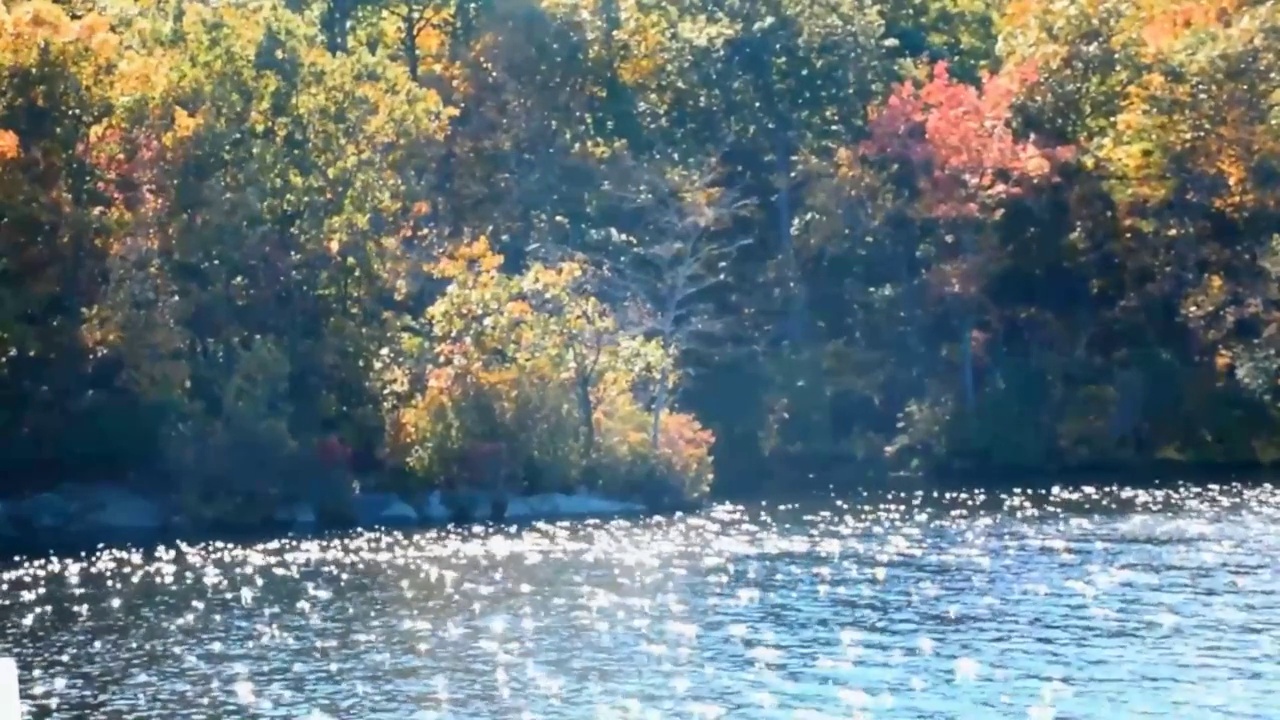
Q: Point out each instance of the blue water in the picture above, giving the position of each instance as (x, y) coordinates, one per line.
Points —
(1101, 603)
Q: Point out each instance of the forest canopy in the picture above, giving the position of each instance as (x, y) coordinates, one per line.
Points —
(600, 243)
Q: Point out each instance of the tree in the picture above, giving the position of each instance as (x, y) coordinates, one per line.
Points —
(55, 231)
(957, 143)
(683, 249)
(512, 359)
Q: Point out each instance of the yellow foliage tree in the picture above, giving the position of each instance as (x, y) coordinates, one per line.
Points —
(533, 363)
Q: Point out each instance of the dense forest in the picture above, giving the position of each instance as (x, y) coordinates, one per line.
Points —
(583, 242)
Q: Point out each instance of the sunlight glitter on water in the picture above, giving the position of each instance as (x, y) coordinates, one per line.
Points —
(1091, 603)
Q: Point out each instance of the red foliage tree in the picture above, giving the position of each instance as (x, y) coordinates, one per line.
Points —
(958, 140)
(959, 144)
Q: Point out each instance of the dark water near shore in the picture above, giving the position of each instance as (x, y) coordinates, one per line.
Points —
(1096, 603)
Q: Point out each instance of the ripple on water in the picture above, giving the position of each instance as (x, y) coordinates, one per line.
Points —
(1090, 603)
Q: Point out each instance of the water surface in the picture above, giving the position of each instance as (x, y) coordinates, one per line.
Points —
(1100, 603)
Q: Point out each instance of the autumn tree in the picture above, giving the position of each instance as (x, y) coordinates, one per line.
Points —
(957, 142)
(531, 362)
(517, 166)
(665, 269)
(55, 228)
(270, 213)
(1168, 102)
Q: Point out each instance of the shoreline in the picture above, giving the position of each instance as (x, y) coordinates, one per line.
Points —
(1137, 472)
(843, 487)
(21, 540)
(28, 549)
(26, 533)
(818, 472)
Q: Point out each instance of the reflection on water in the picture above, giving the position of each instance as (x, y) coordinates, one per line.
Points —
(1103, 603)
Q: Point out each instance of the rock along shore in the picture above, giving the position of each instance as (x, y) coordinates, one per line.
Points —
(81, 517)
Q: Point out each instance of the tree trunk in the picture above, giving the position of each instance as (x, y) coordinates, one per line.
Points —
(659, 407)
(587, 409)
(798, 305)
(410, 43)
(967, 326)
(966, 346)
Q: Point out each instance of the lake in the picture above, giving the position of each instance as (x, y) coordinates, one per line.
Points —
(1102, 603)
